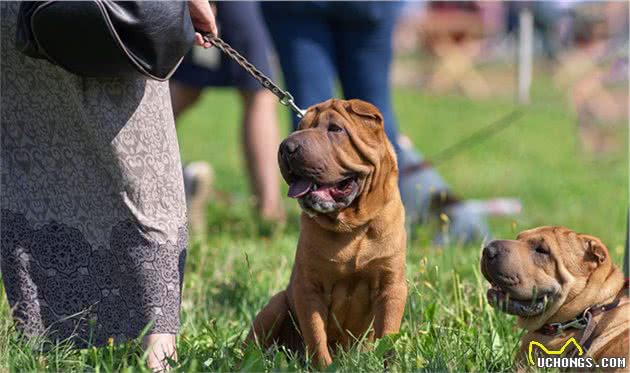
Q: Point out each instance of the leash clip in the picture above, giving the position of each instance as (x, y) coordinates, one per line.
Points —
(579, 323)
(287, 100)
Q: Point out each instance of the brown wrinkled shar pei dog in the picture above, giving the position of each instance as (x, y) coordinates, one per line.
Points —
(560, 284)
(349, 273)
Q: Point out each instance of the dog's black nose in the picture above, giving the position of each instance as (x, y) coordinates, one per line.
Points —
(491, 251)
(289, 146)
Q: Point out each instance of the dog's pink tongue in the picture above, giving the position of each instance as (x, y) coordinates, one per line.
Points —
(323, 193)
(298, 189)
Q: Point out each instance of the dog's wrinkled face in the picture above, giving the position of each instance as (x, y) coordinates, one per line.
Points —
(328, 161)
(534, 275)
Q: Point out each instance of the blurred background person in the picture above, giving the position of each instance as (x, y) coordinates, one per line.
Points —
(241, 25)
(319, 42)
(593, 70)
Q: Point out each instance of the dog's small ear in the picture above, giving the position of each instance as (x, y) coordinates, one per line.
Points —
(595, 249)
(365, 109)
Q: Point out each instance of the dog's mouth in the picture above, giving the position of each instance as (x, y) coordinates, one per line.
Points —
(302, 187)
(503, 300)
(324, 198)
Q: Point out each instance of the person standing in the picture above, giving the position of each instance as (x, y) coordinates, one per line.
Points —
(93, 217)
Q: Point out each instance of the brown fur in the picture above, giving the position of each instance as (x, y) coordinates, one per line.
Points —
(349, 273)
(579, 269)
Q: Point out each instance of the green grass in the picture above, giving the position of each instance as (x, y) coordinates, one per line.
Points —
(448, 324)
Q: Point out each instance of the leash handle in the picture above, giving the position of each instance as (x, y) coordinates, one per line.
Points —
(284, 97)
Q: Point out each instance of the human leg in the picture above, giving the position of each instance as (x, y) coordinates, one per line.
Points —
(304, 44)
(363, 51)
(182, 96)
(260, 139)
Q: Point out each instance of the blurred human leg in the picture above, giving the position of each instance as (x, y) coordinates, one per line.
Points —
(182, 97)
(304, 44)
(363, 51)
(260, 139)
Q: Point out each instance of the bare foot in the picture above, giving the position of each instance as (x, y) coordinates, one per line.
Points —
(159, 347)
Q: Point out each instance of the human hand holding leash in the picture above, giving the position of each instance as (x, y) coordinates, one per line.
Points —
(203, 20)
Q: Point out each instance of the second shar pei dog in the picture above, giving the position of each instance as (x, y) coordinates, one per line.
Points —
(560, 284)
(349, 273)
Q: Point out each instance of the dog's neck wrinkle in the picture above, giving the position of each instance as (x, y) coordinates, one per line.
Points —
(351, 247)
(568, 281)
(594, 293)
(381, 184)
(339, 223)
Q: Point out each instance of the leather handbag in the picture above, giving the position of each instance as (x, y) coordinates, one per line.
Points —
(106, 38)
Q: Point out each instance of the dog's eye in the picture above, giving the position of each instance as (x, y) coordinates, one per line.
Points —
(334, 128)
(541, 250)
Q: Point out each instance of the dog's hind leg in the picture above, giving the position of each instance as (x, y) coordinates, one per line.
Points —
(270, 320)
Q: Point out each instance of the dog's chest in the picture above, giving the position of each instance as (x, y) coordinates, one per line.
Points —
(350, 290)
(351, 308)
(354, 260)
(348, 267)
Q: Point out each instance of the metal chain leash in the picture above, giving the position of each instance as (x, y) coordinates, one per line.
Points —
(285, 97)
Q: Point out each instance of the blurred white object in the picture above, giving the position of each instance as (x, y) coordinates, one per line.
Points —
(467, 219)
(525, 54)
(198, 184)
(495, 206)
(209, 58)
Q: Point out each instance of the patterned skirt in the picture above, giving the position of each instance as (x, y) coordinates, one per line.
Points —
(93, 221)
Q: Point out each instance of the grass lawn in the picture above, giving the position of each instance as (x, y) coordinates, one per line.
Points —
(448, 324)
